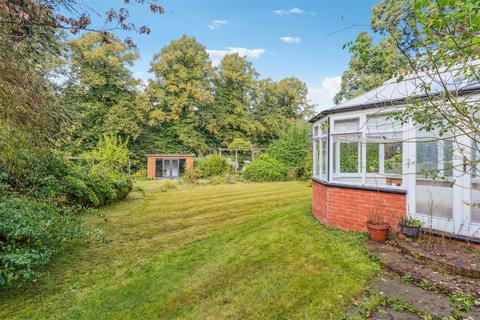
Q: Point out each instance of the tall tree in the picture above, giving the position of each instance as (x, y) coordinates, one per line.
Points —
(277, 103)
(440, 41)
(101, 91)
(230, 116)
(182, 92)
(370, 65)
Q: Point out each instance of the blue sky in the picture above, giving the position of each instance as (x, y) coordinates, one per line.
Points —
(281, 38)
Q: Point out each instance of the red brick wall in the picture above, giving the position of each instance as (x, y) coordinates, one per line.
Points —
(349, 209)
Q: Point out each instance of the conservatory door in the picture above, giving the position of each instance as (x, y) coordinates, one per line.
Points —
(436, 197)
(446, 193)
(473, 198)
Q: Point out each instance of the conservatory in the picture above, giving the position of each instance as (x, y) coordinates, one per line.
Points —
(366, 162)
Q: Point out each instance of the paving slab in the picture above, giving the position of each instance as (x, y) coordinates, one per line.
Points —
(435, 304)
(388, 313)
(394, 260)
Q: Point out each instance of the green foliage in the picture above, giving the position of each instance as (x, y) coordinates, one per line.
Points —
(168, 185)
(292, 146)
(213, 165)
(348, 156)
(412, 222)
(181, 91)
(229, 117)
(278, 103)
(39, 195)
(370, 66)
(29, 231)
(462, 302)
(111, 154)
(101, 92)
(265, 168)
(308, 166)
(240, 144)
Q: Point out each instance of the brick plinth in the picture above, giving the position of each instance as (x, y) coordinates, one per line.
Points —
(349, 209)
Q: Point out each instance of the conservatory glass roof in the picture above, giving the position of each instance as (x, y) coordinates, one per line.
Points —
(396, 90)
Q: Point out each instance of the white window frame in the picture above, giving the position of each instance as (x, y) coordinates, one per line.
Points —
(317, 153)
(335, 167)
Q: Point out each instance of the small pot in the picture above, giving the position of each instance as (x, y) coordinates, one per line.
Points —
(378, 232)
(409, 231)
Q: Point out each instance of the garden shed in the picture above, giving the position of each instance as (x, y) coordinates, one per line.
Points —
(168, 166)
(366, 161)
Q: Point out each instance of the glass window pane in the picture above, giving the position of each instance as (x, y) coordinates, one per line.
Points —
(315, 131)
(373, 157)
(349, 157)
(393, 158)
(382, 123)
(475, 184)
(348, 125)
(427, 157)
(447, 147)
(324, 158)
(433, 193)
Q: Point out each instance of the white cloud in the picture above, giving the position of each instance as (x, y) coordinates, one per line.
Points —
(217, 24)
(282, 12)
(323, 96)
(291, 40)
(217, 55)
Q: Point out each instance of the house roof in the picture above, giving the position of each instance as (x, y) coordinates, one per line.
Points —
(395, 91)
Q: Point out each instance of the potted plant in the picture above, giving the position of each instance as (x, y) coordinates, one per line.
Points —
(410, 227)
(377, 228)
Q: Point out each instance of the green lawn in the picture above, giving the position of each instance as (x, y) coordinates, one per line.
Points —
(205, 252)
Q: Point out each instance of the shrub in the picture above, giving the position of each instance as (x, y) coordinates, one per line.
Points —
(29, 230)
(169, 184)
(265, 168)
(292, 147)
(308, 167)
(111, 153)
(189, 176)
(213, 165)
(223, 179)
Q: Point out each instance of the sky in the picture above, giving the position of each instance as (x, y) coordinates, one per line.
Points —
(301, 38)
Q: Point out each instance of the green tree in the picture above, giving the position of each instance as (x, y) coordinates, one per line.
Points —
(370, 66)
(277, 103)
(441, 36)
(181, 92)
(230, 115)
(292, 147)
(101, 91)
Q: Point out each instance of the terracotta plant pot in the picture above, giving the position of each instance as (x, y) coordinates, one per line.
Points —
(378, 232)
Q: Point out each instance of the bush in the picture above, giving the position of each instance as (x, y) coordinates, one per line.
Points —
(292, 147)
(213, 165)
(220, 179)
(265, 168)
(308, 167)
(168, 185)
(29, 230)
